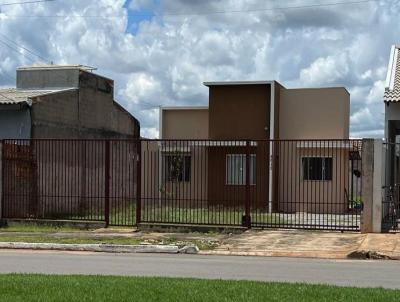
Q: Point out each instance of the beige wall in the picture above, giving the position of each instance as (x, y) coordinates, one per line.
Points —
(312, 196)
(179, 123)
(157, 192)
(314, 113)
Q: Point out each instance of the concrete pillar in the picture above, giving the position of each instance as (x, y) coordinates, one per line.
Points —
(371, 190)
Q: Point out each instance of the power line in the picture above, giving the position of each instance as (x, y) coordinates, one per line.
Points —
(26, 49)
(7, 75)
(16, 50)
(25, 2)
(200, 13)
(265, 9)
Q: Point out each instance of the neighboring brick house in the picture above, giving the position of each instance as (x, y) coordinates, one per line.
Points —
(264, 111)
(63, 102)
(50, 106)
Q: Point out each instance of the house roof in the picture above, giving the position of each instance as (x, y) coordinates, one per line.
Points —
(53, 67)
(237, 83)
(10, 96)
(183, 107)
(392, 87)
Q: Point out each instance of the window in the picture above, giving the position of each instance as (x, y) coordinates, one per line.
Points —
(317, 168)
(177, 167)
(236, 169)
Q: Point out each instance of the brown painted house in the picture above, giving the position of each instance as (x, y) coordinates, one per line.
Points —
(270, 124)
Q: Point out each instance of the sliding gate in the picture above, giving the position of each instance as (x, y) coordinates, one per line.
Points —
(305, 184)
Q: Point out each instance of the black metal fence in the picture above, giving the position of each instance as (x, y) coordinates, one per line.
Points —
(311, 184)
(70, 179)
(390, 189)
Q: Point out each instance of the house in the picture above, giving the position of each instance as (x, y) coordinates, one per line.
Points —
(63, 101)
(391, 166)
(295, 141)
(392, 96)
(50, 106)
(391, 100)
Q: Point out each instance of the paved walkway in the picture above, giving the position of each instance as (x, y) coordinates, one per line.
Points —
(313, 244)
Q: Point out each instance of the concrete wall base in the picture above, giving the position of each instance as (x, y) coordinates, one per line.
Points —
(187, 228)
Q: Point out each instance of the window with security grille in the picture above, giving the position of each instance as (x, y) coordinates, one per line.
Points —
(177, 167)
(317, 168)
(236, 169)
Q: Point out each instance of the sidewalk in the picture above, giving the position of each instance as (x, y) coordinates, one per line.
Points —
(285, 243)
(309, 244)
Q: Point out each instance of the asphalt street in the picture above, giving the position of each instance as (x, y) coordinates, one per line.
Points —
(336, 272)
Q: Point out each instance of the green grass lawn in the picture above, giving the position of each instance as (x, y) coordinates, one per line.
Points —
(39, 228)
(95, 288)
(152, 212)
(206, 215)
(74, 240)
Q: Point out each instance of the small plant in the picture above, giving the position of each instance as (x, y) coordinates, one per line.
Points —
(356, 203)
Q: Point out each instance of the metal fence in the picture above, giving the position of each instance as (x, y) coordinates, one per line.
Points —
(312, 184)
(308, 184)
(390, 189)
(70, 179)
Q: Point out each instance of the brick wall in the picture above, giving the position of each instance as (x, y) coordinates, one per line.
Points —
(87, 112)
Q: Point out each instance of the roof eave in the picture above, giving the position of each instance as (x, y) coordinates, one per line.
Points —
(391, 71)
(208, 84)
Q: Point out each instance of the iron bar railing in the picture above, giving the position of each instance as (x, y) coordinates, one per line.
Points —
(309, 184)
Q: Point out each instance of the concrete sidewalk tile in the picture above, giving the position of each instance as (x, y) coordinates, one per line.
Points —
(380, 243)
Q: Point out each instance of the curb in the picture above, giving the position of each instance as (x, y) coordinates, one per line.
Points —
(107, 248)
(362, 255)
(288, 254)
(372, 255)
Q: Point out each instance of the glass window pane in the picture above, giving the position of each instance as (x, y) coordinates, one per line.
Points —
(253, 169)
(328, 168)
(317, 168)
(187, 168)
(236, 169)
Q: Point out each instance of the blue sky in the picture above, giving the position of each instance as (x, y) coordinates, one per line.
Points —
(137, 16)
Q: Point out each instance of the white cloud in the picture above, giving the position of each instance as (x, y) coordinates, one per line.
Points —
(376, 92)
(168, 57)
(325, 71)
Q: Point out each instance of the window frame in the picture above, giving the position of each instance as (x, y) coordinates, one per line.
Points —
(183, 176)
(323, 168)
(240, 179)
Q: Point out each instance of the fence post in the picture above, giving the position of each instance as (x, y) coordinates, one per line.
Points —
(247, 218)
(139, 182)
(371, 187)
(107, 183)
